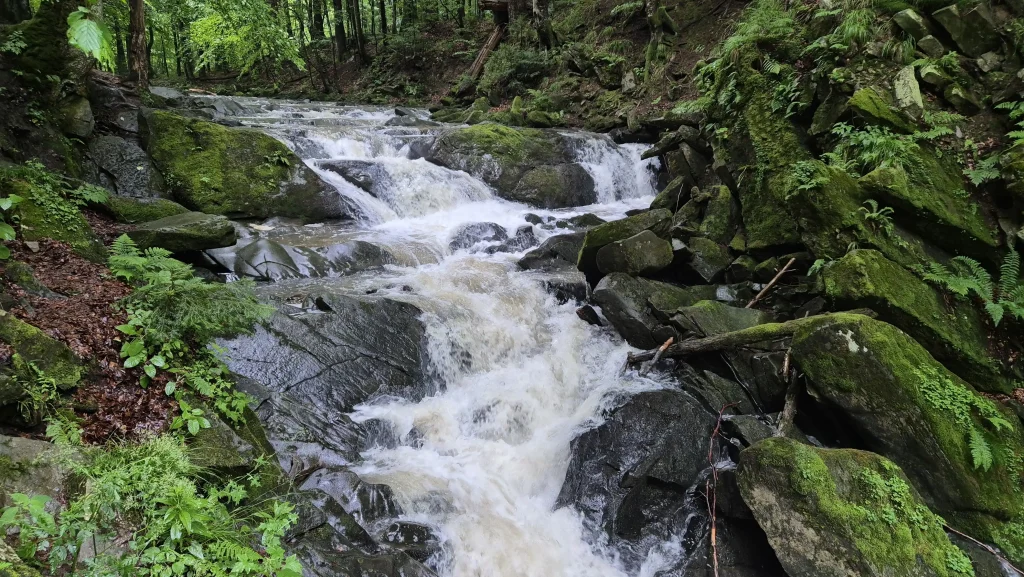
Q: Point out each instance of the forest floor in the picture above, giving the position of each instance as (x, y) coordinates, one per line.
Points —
(84, 315)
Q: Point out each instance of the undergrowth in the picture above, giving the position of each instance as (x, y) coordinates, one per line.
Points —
(965, 276)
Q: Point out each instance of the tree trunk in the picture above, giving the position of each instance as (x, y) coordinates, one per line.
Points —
(339, 27)
(139, 63)
(14, 11)
(163, 50)
(357, 29)
(383, 18)
(316, 30)
(150, 41)
(122, 63)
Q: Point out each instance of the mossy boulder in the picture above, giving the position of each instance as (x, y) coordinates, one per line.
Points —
(928, 199)
(872, 106)
(76, 118)
(673, 196)
(899, 402)
(708, 318)
(29, 466)
(657, 221)
(236, 172)
(136, 210)
(185, 232)
(220, 450)
(720, 216)
(47, 213)
(555, 186)
(640, 254)
(11, 565)
(955, 335)
(499, 155)
(709, 259)
(623, 300)
(35, 348)
(843, 512)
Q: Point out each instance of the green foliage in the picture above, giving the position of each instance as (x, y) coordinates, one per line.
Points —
(1016, 111)
(984, 170)
(628, 9)
(966, 276)
(512, 69)
(88, 33)
(948, 63)
(979, 418)
(150, 499)
(874, 147)
(241, 34)
(879, 219)
(39, 390)
(14, 43)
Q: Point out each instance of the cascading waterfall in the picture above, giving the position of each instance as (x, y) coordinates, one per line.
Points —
(484, 458)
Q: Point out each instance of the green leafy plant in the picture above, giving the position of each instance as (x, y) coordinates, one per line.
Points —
(39, 390)
(88, 33)
(873, 147)
(984, 170)
(1016, 111)
(878, 218)
(977, 416)
(966, 276)
(14, 43)
(151, 500)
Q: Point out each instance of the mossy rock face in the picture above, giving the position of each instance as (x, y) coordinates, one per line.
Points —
(954, 335)
(558, 186)
(236, 172)
(720, 216)
(623, 299)
(136, 210)
(53, 358)
(498, 155)
(927, 201)
(673, 196)
(842, 512)
(830, 220)
(657, 221)
(47, 214)
(641, 254)
(11, 565)
(219, 449)
(899, 402)
(872, 106)
(186, 232)
(708, 318)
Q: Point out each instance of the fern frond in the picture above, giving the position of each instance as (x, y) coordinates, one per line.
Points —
(1009, 273)
(981, 452)
(124, 246)
(977, 273)
(999, 423)
(996, 311)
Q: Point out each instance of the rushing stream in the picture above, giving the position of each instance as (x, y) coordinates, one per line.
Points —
(518, 375)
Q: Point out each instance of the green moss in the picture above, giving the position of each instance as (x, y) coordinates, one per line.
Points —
(858, 502)
(229, 171)
(32, 345)
(870, 105)
(45, 213)
(881, 378)
(136, 210)
(954, 335)
(11, 565)
(658, 221)
(719, 222)
(927, 199)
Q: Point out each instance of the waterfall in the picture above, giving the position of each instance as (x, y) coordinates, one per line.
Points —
(483, 459)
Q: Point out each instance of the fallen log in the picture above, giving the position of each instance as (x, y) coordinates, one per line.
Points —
(736, 339)
(485, 52)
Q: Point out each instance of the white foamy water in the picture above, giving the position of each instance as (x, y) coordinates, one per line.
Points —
(482, 460)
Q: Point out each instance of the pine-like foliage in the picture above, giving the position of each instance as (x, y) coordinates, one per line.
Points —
(981, 452)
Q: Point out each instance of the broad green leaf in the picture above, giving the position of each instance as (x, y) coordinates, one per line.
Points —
(91, 37)
(6, 231)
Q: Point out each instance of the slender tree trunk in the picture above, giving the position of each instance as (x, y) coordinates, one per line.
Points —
(139, 63)
(163, 51)
(177, 55)
(339, 27)
(122, 63)
(383, 18)
(357, 29)
(316, 30)
(150, 41)
(394, 17)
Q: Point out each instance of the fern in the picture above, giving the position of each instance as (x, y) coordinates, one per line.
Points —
(1009, 273)
(981, 452)
(983, 171)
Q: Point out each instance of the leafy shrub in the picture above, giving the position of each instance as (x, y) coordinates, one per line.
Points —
(149, 498)
(874, 147)
(241, 35)
(965, 275)
(512, 69)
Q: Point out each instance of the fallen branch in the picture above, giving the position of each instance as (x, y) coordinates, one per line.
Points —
(985, 547)
(735, 339)
(711, 487)
(789, 409)
(657, 357)
(772, 283)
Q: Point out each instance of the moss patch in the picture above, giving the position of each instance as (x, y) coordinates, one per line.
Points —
(45, 212)
(136, 210)
(32, 345)
(902, 403)
(657, 221)
(843, 512)
(872, 106)
(234, 172)
(956, 336)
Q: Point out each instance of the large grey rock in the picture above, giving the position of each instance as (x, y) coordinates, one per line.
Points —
(657, 221)
(76, 118)
(557, 252)
(167, 96)
(128, 168)
(934, 76)
(962, 99)
(973, 30)
(908, 92)
(469, 235)
(337, 358)
(185, 232)
(624, 301)
(28, 466)
(912, 23)
(366, 175)
(630, 475)
(709, 260)
(931, 46)
(841, 512)
(638, 255)
(271, 260)
(558, 186)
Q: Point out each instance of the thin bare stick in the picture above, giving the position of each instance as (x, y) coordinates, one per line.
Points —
(657, 357)
(985, 547)
(711, 487)
(789, 408)
(772, 283)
